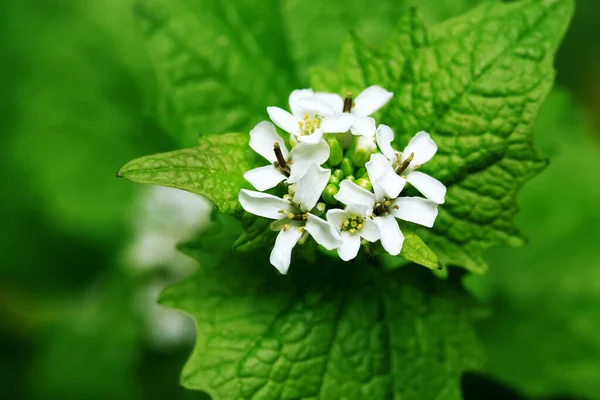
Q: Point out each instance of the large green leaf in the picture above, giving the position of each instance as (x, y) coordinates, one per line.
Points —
(475, 83)
(328, 330)
(543, 336)
(214, 169)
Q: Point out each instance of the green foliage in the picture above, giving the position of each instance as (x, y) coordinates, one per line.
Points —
(475, 83)
(214, 169)
(320, 333)
(543, 335)
(415, 250)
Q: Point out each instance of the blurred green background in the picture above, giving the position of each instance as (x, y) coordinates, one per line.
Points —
(83, 255)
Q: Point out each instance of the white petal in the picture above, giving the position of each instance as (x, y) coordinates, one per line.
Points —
(303, 155)
(385, 181)
(336, 217)
(422, 146)
(391, 236)
(349, 247)
(284, 120)
(415, 209)
(263, 138)
(264, 178)
(263, 204)
(317, 153)
(370, 231)
(355, 210)
(351, 193)
(431, 188)
(281, 255)
(310, 186)
(295, 96)
(385, 137)
(313, 138)
(363, 126)
(339, 123)
(333, 99)
(370, 100)
(323, 232)
(314, 106)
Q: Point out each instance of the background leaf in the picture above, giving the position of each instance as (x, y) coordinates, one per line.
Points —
(213, 169)
(475, 83)
(316, 333)
(542, 337)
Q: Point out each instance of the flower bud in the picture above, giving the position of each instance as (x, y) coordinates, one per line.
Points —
(350, 178)
(319, 209)
(336, 152)
(339, 174)
(334, 180)
(364, 183)
(347, 167)
(364, 147)
(330, 191)
(362, 173)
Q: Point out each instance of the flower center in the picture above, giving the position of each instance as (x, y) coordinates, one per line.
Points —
(352, 224)
(383, 208)
(309, 125)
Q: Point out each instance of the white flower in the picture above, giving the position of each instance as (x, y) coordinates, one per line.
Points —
(310, 118)
(352, 223)
(366, 103)
(293, 217)
(285, 165)
(420, 149)
(384, 211)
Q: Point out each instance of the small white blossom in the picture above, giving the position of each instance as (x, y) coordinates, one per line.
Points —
(419, 150)
(366, 103)
(292, 166)
(384, 211)
(310, 118)
(293, 217)
(352, 224)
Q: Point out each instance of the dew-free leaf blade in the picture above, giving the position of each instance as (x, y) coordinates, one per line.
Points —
(213, 169)
(319, 333)
(475, 83)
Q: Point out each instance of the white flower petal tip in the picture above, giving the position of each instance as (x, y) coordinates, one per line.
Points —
(385, 137)
(339, 123)
(323, 232)
(391, 236)
(281, 255)
(310, 187)
(349, 247)
(283, 119)
(264, 178)
(352, 194)
(263, 138)
(430, 187)
(264, 204)
(363, 126)
(422, 147)
(415, 209)
(371, 100)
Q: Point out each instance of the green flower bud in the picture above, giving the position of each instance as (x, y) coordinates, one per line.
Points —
(339, 174)
(362, 173)
(364, 183)
(350, 178)
(347, 167)
(319, 209)
(330, 191)
(364, 147)
(336, 152)
(334, 180)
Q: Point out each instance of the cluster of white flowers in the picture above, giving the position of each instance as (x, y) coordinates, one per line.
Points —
(340, 166)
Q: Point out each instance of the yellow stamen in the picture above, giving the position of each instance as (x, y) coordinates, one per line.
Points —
(352, 230)
(286, 227)
(291, 215)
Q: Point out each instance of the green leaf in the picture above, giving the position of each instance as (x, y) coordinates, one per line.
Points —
(214, 169)
(415, 250)
(475, 83)
(218, 65)
(319, 333)
(543, 337)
